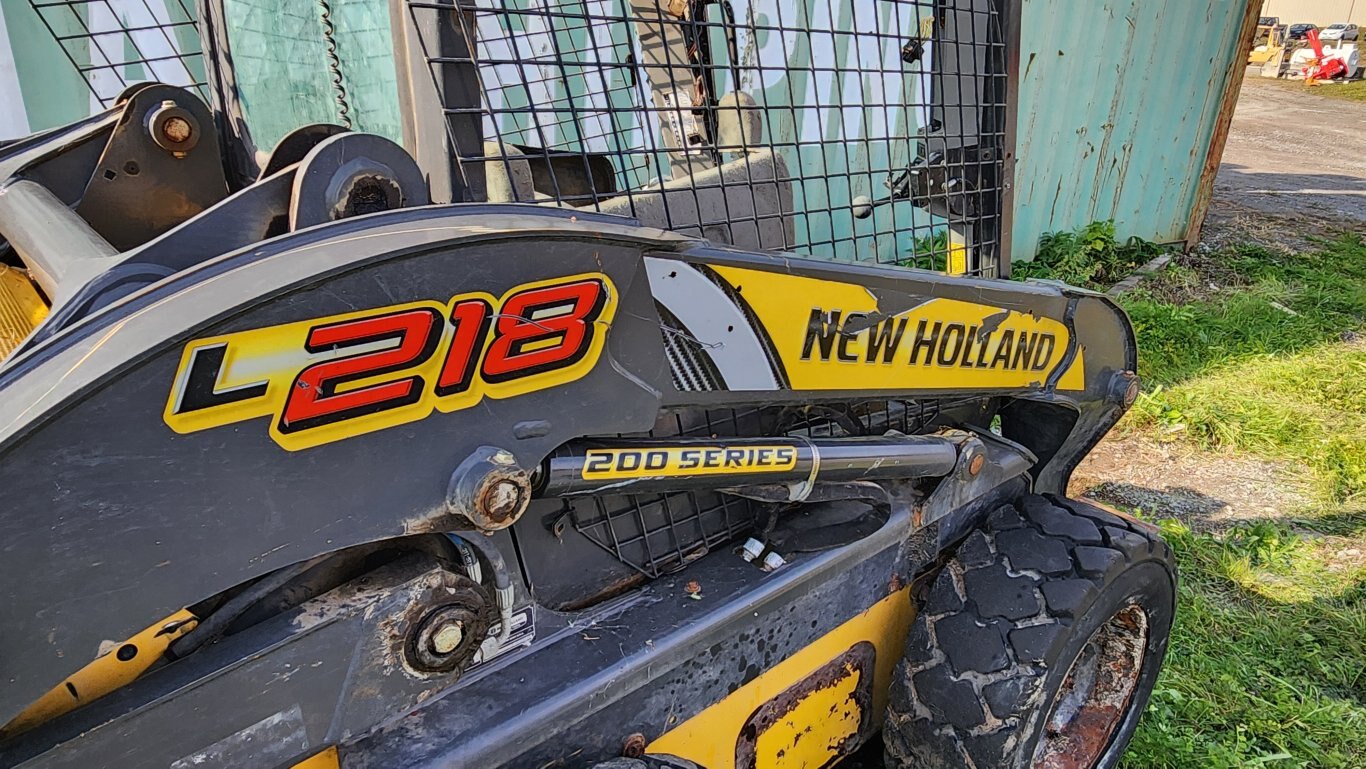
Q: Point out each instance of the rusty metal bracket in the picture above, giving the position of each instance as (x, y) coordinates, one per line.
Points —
(985, 461)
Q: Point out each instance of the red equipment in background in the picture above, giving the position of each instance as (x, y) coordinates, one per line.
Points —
(1321, 67)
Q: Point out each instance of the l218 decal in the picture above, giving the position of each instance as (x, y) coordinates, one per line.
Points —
(332, 378)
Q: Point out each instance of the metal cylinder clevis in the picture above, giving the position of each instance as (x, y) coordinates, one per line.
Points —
(669, 465)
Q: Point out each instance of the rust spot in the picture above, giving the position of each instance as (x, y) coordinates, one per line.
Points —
(975, 464)
(634, 746)
(1096, 693)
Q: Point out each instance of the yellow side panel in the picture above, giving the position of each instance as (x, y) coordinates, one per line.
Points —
(813, 732)
(804, 735)
(832, 335)
(21, 308)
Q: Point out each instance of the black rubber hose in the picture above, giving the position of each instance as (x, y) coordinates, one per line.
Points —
(502, 582)
(212, 627)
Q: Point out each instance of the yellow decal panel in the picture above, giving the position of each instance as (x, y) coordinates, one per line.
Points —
(841, 680)
(817, 720)
(613, 464)
(834, 336)
(336, 377)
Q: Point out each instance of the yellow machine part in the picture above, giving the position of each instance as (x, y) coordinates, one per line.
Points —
(802, 711)
(327, 759)
(21, 308)
(120, 666)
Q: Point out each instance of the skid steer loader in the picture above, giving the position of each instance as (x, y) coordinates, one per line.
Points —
(548, 383)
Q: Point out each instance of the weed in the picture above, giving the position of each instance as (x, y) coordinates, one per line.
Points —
(1089, 257)
(929, 252)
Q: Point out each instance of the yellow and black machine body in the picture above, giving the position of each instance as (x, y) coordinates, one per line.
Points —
(476, 384)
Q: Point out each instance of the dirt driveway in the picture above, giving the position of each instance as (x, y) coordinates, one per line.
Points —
(1292, 150)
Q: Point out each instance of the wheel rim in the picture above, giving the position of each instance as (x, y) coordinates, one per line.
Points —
(1096, 693)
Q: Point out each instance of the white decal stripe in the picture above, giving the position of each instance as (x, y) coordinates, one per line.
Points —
(712, 319)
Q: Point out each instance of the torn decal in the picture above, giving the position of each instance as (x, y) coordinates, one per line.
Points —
(831, 336)
(336, 377)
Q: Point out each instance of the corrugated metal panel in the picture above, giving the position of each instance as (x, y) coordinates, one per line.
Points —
(1118, 101)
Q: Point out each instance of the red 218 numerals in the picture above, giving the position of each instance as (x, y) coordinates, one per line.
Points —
(537, 330)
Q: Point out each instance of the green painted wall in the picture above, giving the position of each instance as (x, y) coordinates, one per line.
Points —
(1117, 108)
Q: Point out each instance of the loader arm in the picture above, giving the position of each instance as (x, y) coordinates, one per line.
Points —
(382, 451)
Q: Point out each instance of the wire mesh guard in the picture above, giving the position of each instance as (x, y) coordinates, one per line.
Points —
(777, 124)
(658, 534)
(116, 43)
(869, 130)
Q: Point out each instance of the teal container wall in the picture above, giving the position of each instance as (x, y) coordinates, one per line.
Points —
(1118, 101)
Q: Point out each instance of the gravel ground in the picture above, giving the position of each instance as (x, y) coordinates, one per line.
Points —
(1292, 151)
(1203, 489)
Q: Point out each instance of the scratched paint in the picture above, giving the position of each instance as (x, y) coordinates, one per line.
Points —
(1117, 106)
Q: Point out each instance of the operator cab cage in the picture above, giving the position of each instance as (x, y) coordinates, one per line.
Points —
(837, 129)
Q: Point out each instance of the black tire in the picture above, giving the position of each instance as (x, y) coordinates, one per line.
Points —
(1004, 624)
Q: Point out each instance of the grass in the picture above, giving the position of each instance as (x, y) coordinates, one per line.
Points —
(1264, 353)
(1354, 90)
(1265, 665)
(1274, 365)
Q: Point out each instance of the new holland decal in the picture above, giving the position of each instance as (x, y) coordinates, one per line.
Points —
(834, 336)
(331, 378)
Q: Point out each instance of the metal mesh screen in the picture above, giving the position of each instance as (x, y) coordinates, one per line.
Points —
(866, 130)
(116, 43)
(842, 129)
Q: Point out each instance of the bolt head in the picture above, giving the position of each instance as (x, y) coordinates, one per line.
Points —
(976, 463)
(177, 130)
(502, 499)
(447, 637)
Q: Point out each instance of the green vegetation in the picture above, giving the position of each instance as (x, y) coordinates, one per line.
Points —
(1255, 351)
(1267, 662)
(1089, 257)
(1353, 91)
(929, 252)
(1274, 364)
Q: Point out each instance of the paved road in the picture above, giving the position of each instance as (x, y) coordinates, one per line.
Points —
(1293, 151)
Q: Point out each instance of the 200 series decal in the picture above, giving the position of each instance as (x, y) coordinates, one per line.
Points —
(611, 464)
(335, 377)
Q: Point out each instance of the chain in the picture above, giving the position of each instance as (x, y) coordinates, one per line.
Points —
(334, 65)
